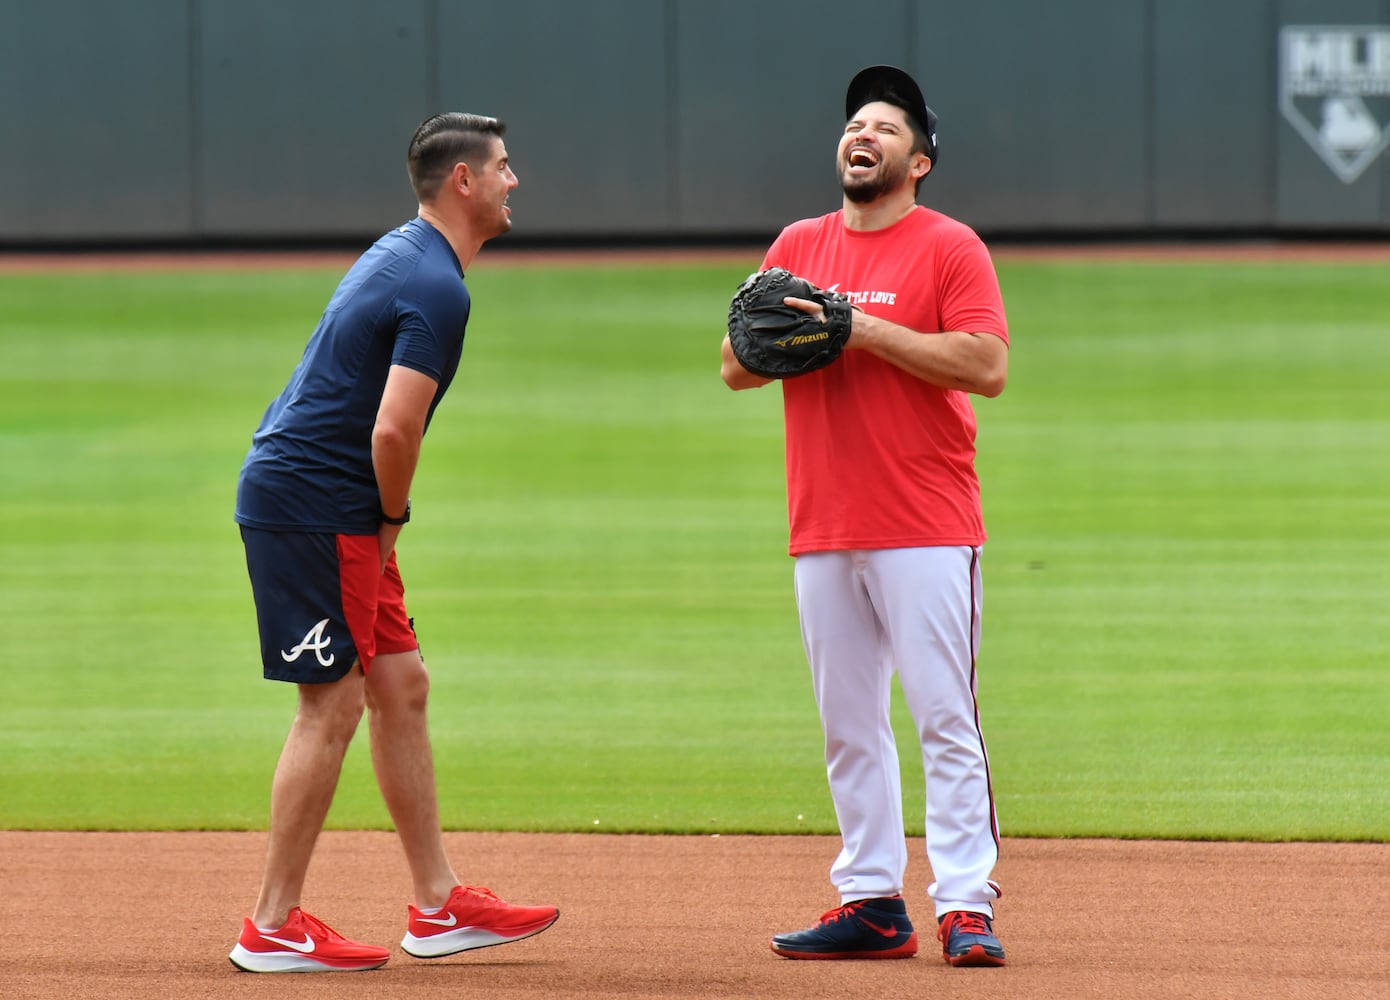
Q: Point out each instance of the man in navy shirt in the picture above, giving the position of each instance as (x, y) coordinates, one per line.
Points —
(322, 498)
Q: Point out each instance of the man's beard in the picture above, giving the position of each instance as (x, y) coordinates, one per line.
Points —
(861, 191)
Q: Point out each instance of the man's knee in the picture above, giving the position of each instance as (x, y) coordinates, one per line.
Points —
(398, 682)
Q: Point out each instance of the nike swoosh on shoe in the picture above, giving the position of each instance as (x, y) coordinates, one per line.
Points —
(304, 947)
(888, 932)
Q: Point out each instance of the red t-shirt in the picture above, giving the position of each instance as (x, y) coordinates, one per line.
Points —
(876, 458)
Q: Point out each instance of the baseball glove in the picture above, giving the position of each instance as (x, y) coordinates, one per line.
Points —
(776, 341)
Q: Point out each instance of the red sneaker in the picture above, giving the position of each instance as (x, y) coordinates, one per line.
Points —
(303, 944)
(472, 918)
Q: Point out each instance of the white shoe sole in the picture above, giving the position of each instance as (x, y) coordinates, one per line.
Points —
(283, 961)
(463, 939)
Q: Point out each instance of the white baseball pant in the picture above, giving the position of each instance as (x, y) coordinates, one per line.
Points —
(864, 615)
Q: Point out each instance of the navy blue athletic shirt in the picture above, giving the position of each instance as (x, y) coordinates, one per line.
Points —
(310, 466)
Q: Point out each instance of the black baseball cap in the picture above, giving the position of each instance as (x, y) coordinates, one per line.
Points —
(892, 86)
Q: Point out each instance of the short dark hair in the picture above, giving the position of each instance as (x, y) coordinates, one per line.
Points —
(444, 140)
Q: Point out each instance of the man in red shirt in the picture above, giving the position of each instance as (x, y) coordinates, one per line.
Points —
(886, 528)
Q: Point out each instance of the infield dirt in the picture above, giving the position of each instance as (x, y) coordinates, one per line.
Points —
(154, 914)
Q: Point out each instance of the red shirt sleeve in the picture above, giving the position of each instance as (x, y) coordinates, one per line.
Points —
(969, 291)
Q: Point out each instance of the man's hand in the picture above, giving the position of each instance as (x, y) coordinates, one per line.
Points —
(386, 541)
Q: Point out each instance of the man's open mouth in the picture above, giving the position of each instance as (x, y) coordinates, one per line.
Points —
(863, 157)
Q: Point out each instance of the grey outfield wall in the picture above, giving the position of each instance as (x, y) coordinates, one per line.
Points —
(189, 120)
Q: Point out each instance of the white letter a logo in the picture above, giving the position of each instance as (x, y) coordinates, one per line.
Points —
(314, 639)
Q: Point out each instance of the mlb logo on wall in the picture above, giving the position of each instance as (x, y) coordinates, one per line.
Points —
(1334, 88)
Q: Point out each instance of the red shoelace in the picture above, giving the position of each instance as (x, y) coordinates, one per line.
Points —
(966, 921)
(840, 912)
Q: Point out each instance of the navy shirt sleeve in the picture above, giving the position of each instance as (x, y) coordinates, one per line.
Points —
(430, 319)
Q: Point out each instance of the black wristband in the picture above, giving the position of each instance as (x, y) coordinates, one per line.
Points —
(403, 519)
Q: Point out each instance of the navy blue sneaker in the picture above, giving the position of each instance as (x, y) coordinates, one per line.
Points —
(968, 939)
(865, 928)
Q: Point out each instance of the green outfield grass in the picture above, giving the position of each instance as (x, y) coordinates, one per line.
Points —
(1187, 484)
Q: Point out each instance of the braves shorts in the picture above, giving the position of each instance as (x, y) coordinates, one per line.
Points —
(323, 603)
